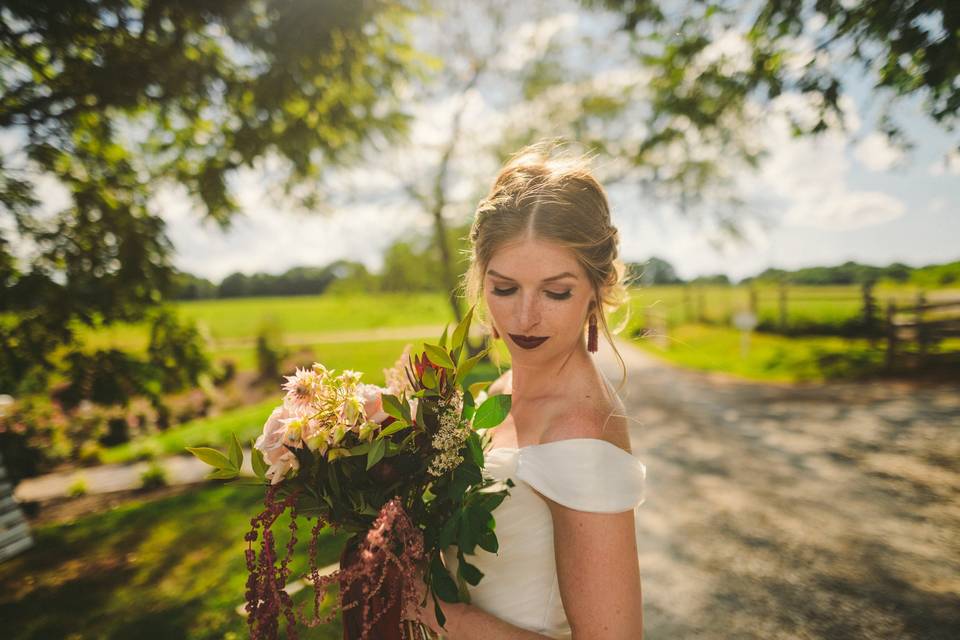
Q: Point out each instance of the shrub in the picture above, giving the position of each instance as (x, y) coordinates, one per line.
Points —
(78, 487)
(270, 350)
(176, 351)
(89, 454)
(226, 371)
(154, 476)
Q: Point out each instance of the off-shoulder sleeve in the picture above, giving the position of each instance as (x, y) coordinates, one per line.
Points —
(585, 474)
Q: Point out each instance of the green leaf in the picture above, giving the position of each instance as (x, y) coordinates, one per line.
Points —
(334, 480)
(467, 367)
(211, 456)
(360, 449)
(393, 428)
(377, 449)
(257, 462)
(469, 406)
(462, 591)
(488, 541)
(469, 572)
(441, 619)
(490, 501)
(223, 474)
(394, 407)
(476, 449)
(429, 378)
(492, 412)
(477, 387)
(449, 531)
(443, 338)
(462, 330)
(438, 355)
(443, 584)
(235, 452)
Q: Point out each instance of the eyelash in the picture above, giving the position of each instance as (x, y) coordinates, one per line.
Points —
(556, 296)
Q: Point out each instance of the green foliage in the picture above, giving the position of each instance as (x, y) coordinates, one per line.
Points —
(182, 554)
(154, 476)
(911, 49)
(115, 99)
(416, 265)
(176, 352)
(175, 360)
(78, 488)
(270, 350)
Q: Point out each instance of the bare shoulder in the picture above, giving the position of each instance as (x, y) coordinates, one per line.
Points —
(589, 415)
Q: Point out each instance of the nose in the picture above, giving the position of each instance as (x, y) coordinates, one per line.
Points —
(529, 315)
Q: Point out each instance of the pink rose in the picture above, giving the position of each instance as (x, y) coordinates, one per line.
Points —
(373, 402)
(270, 442)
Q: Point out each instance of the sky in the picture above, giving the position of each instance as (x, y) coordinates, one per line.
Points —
(838, 197)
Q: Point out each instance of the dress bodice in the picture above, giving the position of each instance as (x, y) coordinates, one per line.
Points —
(520, 580)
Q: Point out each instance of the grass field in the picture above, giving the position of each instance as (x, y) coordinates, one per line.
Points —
(172, 568)
(236, 321)
(333, 327)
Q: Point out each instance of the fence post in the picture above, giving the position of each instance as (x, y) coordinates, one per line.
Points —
(687, 303)
(783, 306)
(922, 337)
(870, 313)
(891, 333)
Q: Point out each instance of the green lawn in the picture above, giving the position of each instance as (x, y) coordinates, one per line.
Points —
(769, 357)
(173, 568)
(371, 357)
(246, 422)
(237, 320)
(833, 304)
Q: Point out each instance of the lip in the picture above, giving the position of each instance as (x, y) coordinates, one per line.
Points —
(527, 342)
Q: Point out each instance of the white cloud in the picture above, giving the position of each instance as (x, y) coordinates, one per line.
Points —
(949, 164)
(809, 175)
(876, 153)
(843, 211)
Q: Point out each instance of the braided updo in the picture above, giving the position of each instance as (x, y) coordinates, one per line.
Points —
(550, 195)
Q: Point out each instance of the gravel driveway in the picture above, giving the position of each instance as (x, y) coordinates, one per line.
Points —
(775, 511)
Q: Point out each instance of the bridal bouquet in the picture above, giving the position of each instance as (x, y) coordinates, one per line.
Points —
(398, 467)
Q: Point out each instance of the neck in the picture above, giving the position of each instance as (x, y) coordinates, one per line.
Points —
(529, 382)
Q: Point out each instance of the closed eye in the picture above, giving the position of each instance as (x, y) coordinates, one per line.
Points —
(564, 295)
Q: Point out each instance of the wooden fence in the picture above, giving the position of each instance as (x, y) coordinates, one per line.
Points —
(914, 331)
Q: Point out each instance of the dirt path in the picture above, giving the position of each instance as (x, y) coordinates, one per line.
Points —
(820, 511)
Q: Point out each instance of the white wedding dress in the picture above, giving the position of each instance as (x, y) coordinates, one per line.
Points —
(520, 580)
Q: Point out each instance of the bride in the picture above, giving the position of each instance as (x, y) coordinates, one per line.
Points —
(544, 265)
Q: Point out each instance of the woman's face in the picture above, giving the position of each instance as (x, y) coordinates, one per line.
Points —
(536, 289)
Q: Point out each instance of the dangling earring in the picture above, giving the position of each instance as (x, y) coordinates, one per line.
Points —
(592, 334)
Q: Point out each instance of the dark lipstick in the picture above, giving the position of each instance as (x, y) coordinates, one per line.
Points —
(527, 342)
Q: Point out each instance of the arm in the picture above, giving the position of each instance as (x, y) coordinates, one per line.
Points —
(467, 622)
(598, 573)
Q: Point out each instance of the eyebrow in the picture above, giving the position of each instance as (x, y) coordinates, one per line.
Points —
(560, 276)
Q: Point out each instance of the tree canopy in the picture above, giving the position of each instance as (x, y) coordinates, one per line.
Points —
(113, 98)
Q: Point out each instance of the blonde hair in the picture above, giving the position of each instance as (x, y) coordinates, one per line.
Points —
(553, 196)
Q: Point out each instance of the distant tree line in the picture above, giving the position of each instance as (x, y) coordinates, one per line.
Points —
(933, 275)
(414, 266)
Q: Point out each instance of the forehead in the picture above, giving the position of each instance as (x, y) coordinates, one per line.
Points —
(533, 260)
